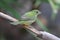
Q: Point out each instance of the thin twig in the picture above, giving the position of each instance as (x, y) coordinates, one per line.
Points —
(45, 35)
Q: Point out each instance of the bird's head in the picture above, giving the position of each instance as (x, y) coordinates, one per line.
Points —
(36, 12)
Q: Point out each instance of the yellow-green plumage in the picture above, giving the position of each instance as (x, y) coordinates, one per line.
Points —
(28, 18)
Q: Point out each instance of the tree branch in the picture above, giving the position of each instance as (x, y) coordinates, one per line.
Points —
(7, 17)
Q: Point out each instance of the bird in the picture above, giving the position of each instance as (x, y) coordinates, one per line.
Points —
(28, 18)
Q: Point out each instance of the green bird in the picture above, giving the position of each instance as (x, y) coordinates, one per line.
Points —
(28, 18)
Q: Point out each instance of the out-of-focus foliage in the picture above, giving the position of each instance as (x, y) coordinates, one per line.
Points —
(37, 3)
(4, 4)
(42, 25)
(54, 8)
(56, 1)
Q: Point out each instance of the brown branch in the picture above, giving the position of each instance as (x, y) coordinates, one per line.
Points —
(7, 17)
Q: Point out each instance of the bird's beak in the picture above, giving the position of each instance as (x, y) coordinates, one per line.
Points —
(39, 13)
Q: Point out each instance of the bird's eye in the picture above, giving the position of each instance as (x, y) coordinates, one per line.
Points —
(36, 11)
